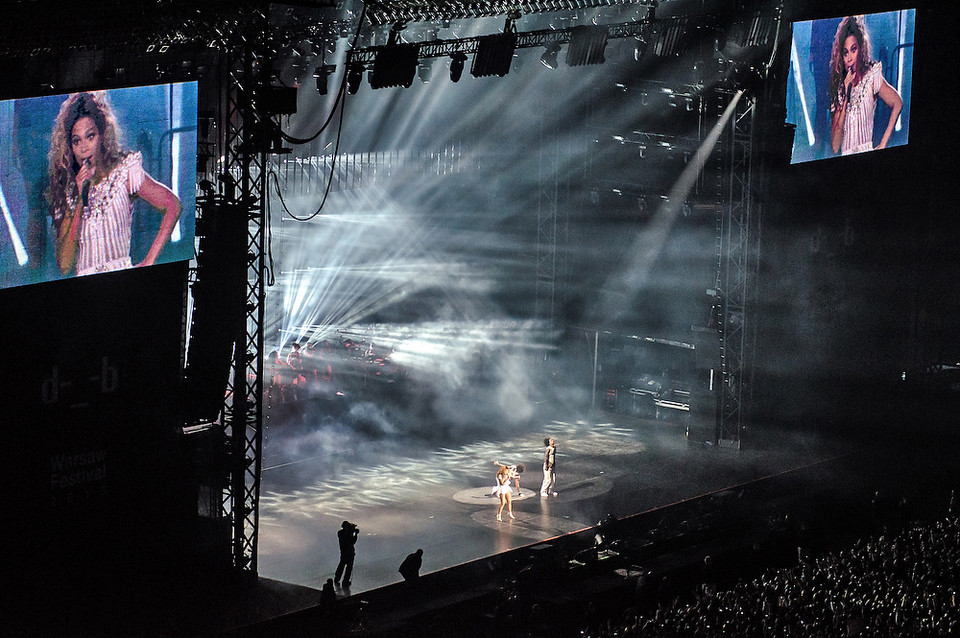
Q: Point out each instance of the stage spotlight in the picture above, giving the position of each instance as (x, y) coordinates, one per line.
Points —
(639, 48)
(549, 57)
(424, 70)
(354, 78)
(322, 75)
(456, 65)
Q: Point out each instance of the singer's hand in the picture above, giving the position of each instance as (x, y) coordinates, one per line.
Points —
(848, 81)
(85, 174)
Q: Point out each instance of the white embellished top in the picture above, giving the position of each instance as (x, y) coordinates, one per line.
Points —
(858, 129)
(107, 219)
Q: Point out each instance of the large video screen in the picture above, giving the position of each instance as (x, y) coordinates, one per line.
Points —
(849, 84)
(97, 181)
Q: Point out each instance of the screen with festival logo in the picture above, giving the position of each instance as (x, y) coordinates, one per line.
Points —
(155, 128)
(849, 84)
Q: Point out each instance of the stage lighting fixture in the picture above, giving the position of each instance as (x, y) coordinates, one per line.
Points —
(639, 48)
(322, 75)
(354, 78)
(549, 57)
(457, 61)
(494, 55)
(395, 65)
(587, 44)
(424, 70)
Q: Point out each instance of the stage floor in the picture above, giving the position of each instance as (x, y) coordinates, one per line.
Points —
(405, 493)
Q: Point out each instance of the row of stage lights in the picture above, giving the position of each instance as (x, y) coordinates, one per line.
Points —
(398, 63)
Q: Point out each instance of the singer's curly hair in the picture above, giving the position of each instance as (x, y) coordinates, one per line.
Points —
(62, 166)
(855, 26)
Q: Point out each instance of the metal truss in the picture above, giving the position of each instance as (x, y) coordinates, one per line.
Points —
(736, 276)
(309, 175)
(41, 26)
(243, 183)
(547, 228)
(391, 11)
(528, 40)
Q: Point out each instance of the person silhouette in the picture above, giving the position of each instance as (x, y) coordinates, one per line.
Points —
(549, 468)
(410, 567)
(327, 593)
(347, 537)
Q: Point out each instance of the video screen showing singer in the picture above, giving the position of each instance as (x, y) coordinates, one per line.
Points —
(849, 85)
(856, 82)
(93, 185)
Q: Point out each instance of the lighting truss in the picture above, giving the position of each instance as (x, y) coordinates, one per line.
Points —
(42, 28)
(529, 40)
(738, 268)
(302, 175)
(549, 228)
(382, 12)
(243, 182)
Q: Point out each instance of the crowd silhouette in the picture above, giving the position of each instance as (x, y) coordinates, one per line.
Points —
(899, 580)
(890, 585)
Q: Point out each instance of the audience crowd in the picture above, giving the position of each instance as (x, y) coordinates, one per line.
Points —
(891, 585)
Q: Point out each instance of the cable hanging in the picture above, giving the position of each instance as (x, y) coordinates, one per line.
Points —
(340, 93)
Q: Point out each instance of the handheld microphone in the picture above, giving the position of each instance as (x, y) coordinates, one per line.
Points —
(85, 190)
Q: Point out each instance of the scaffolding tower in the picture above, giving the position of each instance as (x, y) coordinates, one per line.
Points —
(738, 253)
(241, 184)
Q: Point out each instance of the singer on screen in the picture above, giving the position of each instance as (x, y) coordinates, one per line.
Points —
(94, 184)
(856, 81)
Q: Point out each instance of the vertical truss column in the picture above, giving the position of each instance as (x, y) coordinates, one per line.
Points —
(244, 182)
(736, 276)
(548, 163)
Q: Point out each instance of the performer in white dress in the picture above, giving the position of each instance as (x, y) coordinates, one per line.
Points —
(505, 474)
(93, 186)
(856, 81)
